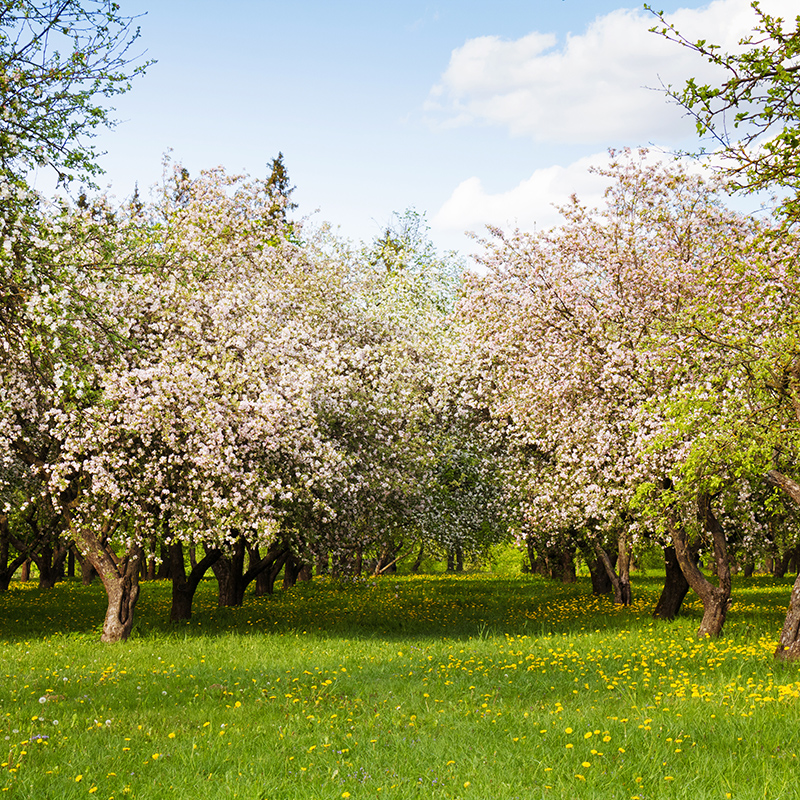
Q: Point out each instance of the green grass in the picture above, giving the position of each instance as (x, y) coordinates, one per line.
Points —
(476, 686)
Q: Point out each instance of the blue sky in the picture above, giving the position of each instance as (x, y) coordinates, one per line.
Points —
(472, 112)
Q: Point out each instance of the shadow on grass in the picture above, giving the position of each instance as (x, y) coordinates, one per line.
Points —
(439, 606)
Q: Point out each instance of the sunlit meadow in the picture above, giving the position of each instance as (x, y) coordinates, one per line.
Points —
(477, 686)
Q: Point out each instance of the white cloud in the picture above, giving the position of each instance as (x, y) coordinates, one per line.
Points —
(592, 88)
(534, 202)
(530, 204)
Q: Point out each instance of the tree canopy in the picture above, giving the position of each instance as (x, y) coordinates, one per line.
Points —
(752, 114)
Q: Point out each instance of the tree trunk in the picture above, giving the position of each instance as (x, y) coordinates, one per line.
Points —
(262, 579)
(675, 588)
(417, 565)
(780, 564)
(50, 561)
(620, 585)
(568, 572)
(7, 569)
(271, 564)
(291, 570)
(274, 570)
(601, 583)
(123, 592)
(794, 560)
(183, 586)
(231, 577)
(359, 567)
(164, 572)
(229, 571)
(624, 567)
(715, 599)
(88, 573)
(387, 560)
(119, 574)
(789, 645)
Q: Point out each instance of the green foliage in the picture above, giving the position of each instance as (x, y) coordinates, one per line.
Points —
(753, 114)
(280, 190)
(59, 60)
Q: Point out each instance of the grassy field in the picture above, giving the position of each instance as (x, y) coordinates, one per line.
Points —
(477, 686)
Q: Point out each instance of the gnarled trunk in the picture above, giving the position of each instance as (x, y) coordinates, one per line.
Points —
(789, 645)
(123, 592)
(119, 574)
(675, 587)
(715, 599)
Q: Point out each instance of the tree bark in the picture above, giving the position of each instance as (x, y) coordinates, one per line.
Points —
(601, 583)
(7, 569)
(229, 571)
(119, 574)
(624, 568)
(150, 572)
(417, 565)
(262, 579)
(675, 588)
(164, 572)
(291, 570)
(88, 572)
(715, 599)
(621, 583)
(230, 574)
(50, 561)
(792, 488)
(183, 586)
(274, 569)
(122, 589)
(789, 645)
